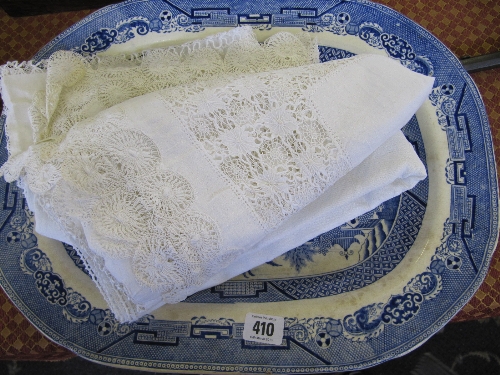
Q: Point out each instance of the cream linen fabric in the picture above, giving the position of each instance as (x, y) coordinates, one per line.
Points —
(247, 151)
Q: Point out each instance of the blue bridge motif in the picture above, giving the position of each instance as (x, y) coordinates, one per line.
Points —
(161, 332)
(251, 289)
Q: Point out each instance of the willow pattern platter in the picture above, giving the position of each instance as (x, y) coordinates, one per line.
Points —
(363, 293)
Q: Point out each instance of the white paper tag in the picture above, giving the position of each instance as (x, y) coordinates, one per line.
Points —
(267, 329)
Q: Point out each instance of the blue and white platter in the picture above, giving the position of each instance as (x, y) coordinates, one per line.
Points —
(364, 293)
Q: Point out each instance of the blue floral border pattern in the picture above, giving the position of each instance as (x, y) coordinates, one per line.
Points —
(125, 30)
(364, 324)
(340, 24)
(368, 322)
(35, 262)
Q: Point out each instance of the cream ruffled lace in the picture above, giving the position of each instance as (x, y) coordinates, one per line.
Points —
(78, 88)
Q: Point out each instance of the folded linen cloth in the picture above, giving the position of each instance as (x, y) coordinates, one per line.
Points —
(187, 186)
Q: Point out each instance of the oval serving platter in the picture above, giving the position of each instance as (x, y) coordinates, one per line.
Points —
(361, 294)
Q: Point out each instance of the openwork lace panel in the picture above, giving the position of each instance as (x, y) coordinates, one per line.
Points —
(263, 134)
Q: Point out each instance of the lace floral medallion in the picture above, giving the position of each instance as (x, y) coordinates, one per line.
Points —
(263, 134)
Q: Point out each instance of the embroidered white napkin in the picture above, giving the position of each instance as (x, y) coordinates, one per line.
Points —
(191, 184)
